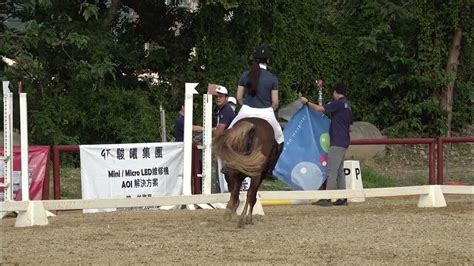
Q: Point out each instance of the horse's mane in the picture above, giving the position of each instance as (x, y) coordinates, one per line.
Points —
(232, 148)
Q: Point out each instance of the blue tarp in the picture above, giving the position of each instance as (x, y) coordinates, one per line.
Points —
(302, 164)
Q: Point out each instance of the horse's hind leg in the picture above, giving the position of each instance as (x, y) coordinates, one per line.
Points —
(252, 196)
(232, 205)
(243, 216)
(234, 201)
(236, 189)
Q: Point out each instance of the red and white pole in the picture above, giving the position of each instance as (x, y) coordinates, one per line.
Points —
(320, 84)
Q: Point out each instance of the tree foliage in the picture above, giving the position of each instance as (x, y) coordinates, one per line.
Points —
(80, 60)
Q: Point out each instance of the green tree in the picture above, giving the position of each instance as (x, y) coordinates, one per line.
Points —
(80, 61)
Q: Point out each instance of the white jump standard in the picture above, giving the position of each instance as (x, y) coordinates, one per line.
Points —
(34, 214)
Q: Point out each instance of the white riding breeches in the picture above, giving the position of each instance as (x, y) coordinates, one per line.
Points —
(264, 113)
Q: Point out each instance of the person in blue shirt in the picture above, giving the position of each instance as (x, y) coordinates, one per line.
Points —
(225, 113)
(225, 116)
(179, 124)
(341, 123)
(257, 92)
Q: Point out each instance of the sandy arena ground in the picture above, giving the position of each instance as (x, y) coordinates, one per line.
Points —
(380, 231)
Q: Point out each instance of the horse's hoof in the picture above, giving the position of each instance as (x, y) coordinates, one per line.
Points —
(241, 225)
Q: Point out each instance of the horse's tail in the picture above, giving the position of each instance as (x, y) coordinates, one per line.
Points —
(233, 148)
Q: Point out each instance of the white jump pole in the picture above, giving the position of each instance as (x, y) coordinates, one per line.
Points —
(35, 213)
(207, 145)
(25, 191)
(7, 142)
(206, 150)
(188, 134)
(163, 123)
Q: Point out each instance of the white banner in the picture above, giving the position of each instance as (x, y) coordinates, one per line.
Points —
(131, 170)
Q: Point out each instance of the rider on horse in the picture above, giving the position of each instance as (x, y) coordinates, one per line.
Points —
(258, 93)
(247, 148)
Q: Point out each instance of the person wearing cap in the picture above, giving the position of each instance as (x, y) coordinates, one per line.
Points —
(258, 92)
(341, 125)
(224, 118)
(225, 114)
(233, 103)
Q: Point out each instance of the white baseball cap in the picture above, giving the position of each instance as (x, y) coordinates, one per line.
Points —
(232, 100)
(222, 90)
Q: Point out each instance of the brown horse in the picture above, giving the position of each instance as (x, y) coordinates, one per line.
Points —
(247, 149)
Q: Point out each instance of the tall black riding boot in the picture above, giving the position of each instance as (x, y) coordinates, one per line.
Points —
(270, 169)
(279, 150)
